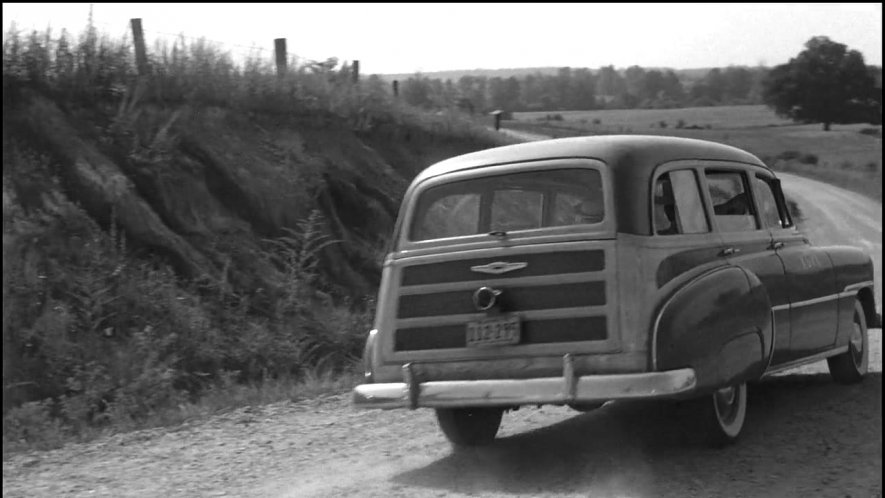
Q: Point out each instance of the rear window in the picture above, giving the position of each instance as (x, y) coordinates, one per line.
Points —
(507, 203)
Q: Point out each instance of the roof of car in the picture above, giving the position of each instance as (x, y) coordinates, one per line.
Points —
(631, 151)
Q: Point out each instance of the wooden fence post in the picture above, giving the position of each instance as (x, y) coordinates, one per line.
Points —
(140, 52)
(280, 51)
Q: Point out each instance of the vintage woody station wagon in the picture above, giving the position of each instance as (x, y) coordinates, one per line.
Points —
(578, 271)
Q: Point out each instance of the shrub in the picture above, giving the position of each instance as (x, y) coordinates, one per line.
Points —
(789, 155)
(32, 424)
(808, 159)
(873, 132)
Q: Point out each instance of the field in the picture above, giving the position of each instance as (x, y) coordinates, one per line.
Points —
(639, 119)
(849, 155)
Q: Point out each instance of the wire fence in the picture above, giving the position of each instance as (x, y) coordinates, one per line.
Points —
(156, 40)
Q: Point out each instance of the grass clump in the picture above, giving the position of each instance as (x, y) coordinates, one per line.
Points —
(98, 340)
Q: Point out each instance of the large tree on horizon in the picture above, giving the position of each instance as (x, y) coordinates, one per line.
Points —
(826, 83)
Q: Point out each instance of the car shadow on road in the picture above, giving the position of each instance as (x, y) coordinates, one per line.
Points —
(645, 448)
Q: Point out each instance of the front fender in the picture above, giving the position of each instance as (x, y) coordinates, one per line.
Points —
(719, 324)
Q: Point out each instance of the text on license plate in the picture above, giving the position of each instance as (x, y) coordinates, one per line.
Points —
(493, 331)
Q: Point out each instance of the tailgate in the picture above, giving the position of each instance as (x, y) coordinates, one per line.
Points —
(563, 294)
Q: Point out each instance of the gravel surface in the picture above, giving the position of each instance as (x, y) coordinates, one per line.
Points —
(805, 436)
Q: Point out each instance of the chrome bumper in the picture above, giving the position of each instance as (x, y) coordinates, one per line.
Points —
(567, 389)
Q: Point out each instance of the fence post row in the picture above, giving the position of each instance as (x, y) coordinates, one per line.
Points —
(280, 51)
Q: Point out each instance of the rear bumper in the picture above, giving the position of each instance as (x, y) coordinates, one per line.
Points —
(568, 389)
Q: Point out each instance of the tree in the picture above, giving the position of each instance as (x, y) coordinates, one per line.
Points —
(738, 83)
(608, 82)
(417, 91)
(826, 83)
(634, 78)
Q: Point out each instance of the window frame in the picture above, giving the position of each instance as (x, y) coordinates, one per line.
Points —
(695, 166)
(404, 245)
(700, 168)
(780, 201)
(656, 178)
(743, 171)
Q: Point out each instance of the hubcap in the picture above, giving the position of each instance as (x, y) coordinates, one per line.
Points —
(725, 400)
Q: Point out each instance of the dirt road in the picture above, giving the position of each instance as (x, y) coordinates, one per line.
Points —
(805, 436)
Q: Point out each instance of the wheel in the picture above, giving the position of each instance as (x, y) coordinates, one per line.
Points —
(722, 414)
(469, 426)
(850, 366)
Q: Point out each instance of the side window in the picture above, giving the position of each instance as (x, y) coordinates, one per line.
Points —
(732, 205)
(774, 214)
(677, 204)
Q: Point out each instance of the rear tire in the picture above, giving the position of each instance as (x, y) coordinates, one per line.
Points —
(469, 426)
(721, 415)
(850, 366)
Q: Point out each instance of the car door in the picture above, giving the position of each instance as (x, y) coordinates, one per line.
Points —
(775, 218)
(810, 282)
(747, 241)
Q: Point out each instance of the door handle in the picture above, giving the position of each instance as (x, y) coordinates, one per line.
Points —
(728, 251)
(776, 245)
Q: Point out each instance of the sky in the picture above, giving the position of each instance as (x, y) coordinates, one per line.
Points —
(419, 37)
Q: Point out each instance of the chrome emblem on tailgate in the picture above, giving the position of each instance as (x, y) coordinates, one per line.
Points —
(498, 267)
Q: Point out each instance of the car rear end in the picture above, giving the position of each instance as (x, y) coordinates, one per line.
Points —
(504, 289)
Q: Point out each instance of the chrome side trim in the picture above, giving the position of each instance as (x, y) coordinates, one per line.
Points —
(850, 290)
(805, 361)
(858, 286)
(514, 392)
(817, 300)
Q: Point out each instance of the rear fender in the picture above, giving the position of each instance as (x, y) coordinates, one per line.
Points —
(719, 324)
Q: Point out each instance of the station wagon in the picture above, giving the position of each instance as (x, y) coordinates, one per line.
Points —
(584, 270)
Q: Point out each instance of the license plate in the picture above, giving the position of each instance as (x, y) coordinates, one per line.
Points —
(493, 331)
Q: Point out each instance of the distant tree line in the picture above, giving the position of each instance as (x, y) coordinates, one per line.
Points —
(586, 89)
